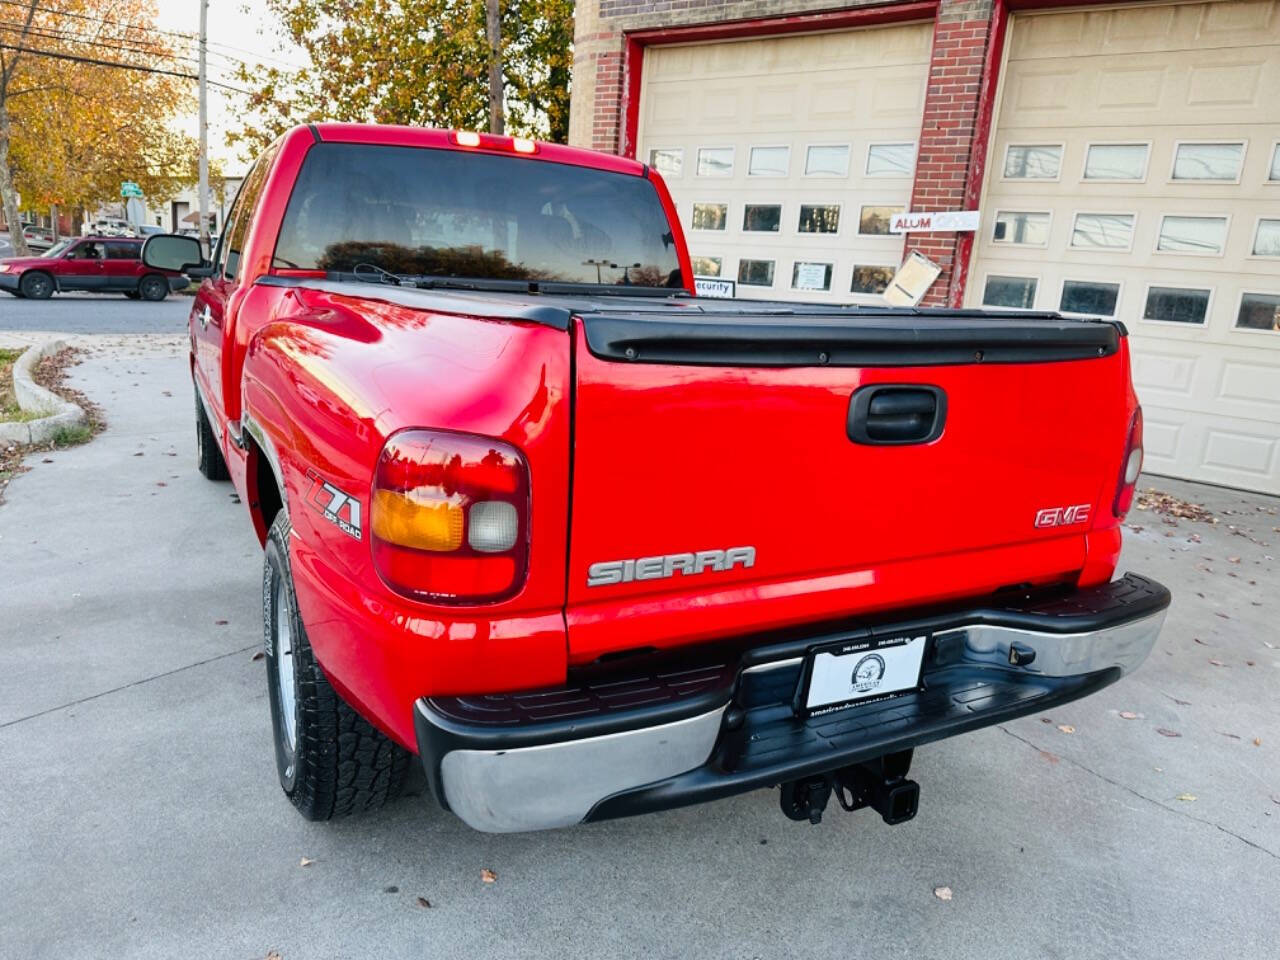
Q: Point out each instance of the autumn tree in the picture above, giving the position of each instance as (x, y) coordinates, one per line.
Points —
(87, 90)
(424, 63)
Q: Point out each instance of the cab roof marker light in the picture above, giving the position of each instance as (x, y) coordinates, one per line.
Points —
(466, 138)
(523, 145)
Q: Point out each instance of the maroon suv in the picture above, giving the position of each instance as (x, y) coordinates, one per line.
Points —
(96, 264)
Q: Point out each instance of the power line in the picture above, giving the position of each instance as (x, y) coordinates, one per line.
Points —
(116, 64)
(189, 37)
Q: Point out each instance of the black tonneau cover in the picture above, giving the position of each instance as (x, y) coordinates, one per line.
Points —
(680, 329)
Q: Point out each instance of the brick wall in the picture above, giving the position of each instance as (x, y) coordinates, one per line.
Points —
(946, 134)
(961, 37)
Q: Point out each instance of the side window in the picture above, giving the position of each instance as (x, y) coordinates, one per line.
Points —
(123, 251)
(231, 245)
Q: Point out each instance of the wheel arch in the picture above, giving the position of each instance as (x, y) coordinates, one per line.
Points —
(264, 481)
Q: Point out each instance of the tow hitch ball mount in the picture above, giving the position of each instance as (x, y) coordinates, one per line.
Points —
(881, 784)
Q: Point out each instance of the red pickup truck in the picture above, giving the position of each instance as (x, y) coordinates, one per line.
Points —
(590, 546)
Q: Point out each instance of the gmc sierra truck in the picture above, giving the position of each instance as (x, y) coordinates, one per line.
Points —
(588, 545)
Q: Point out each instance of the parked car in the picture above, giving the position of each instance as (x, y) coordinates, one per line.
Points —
(591, 546)
(96, 264)
(149, 230)
(37, 238)
(112, 227)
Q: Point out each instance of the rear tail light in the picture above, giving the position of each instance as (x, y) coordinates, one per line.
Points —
(1130, 467)
(450, 517)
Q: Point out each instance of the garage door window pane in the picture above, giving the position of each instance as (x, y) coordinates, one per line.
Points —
(755, 273)
(715, 161)
(819, 218)
(891, 159)
(1018, 292)
(1176, 305)
(1032, 162)
(1116, 161)
(706, 266)
(667, 162)
(811, 276)
(1259, 311)
(769, 161)
(1208, 161)
(1095, 299)
(710, 216)
(871, 279)
(1105, 231)
(758, 217)
(1266, 242)
(1192, 234)
(1016, 227)
(874, 221)
(826, 161)
(1274, 176)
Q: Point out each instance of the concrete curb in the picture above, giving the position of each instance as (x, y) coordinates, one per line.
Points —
(58, 414)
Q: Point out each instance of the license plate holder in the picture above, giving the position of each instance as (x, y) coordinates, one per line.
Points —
(861, 670)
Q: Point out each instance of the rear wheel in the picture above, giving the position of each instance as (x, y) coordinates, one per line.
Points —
(209, 459)
(153, 287)
(36, 285)
(330, 760)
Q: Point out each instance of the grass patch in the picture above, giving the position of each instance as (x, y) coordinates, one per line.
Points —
(70, 437)
(9, 409)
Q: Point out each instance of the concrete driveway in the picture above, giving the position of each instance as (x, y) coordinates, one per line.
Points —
(139, 814)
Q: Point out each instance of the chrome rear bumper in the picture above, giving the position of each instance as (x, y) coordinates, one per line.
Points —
(978, 673)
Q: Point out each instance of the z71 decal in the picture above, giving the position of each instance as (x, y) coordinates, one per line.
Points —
(339, 507)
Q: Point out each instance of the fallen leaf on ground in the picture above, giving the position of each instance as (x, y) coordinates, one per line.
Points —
(220, 623)
(258, 656)
(1224, 616)
(942, 893)
(1166, 732)
(1233, 559)
(1248, 663)
(1045, 720)
(1201, 642)
(1187, 797)
(1066, 728)
(1181, 703)
(1051, 757)
(273, 955)
(1232, 736)
(424, 903)
(306, 862)
(488, 876)
(1217, 663)
(1257, 741)
(1128, 715)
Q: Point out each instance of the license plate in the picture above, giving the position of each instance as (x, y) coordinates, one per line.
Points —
(860, 671)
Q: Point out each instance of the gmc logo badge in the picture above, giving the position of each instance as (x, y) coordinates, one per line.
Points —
(1063, 516)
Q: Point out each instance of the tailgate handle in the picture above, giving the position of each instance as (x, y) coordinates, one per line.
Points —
(896, 414)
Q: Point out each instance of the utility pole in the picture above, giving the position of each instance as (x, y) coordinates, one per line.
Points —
(493, 27)
(203, 188)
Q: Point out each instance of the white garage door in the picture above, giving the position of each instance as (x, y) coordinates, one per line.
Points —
(786, 156)
(1134, 172)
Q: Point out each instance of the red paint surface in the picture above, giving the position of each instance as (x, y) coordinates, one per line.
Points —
(662, 459)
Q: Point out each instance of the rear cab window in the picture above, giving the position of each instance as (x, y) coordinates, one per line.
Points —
(425, 211)
(236, 229)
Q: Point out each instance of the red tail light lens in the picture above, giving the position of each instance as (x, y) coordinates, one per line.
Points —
(1130, 467)
(450, 517)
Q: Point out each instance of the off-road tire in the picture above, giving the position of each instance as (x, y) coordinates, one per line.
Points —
(341, 764)
(36, 285)
(209, 459)
(153, 287)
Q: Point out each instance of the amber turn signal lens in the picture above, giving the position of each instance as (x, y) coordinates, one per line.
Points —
(423, 523)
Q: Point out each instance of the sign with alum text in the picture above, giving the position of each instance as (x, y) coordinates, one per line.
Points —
(946, 222)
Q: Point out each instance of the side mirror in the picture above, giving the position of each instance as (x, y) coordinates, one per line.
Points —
(170, 251)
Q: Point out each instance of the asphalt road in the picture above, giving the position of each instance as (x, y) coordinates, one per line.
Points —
(140, 817)
(94, 313)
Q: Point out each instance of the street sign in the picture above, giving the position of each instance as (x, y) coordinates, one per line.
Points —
(714, 287)
(130, 189)
(953, 220)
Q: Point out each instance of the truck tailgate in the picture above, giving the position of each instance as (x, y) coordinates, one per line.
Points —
(725, 481)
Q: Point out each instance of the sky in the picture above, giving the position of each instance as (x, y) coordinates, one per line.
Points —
(239, 30)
